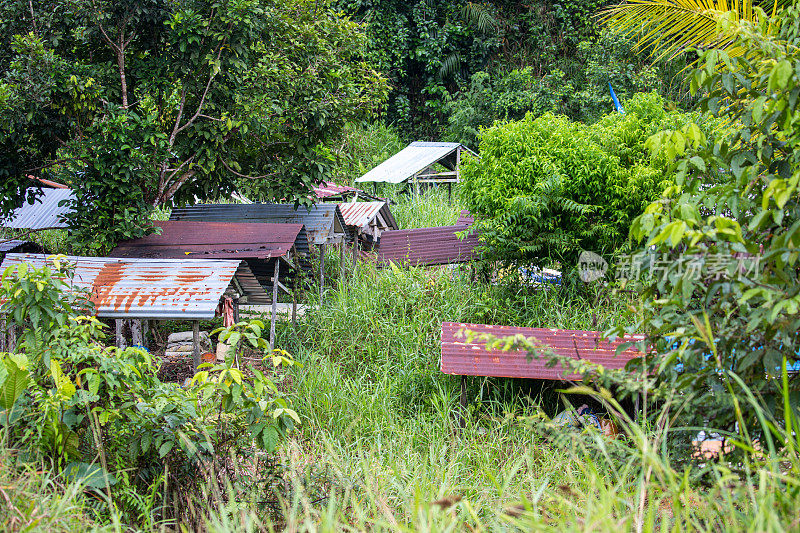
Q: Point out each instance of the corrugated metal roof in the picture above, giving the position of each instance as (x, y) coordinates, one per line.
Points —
(364, 215)
(462, 359)
(171, 289)
(427, 246)
(412, 159)
(49, 183)
(45, 213)
(213, 240)
(21, 246)
(465, 218)
(321, 222)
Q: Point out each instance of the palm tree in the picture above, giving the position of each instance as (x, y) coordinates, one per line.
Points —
(669, 27)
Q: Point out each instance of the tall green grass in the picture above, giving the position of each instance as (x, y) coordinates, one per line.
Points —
(432, 207)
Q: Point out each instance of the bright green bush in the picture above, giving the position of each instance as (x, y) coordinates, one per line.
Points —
(546, 187)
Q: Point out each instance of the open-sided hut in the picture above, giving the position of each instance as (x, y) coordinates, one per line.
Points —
(323, 222)
(368, 220)
(149, 289)
(268, 250)
(416, 162)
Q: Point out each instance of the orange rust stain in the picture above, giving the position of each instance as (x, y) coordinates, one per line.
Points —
(103, 284)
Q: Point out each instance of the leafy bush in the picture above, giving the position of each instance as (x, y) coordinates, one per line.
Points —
(724, 296)
(546, 188)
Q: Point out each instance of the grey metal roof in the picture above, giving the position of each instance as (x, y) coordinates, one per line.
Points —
(45, 213)
(170, 289)
(322, 221)
(413, 159)
(21, 246)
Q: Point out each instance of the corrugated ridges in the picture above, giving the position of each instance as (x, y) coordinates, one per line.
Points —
(465, 218)
(45, 213)
(361, 214)
(427, 246)
(326, 189)
(412, 159)
(171, 289)
(21, 247)
(460, 358)
(321, 222)
(213, 240)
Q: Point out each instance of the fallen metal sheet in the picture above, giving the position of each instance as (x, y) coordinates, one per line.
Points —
(322, 222)
(366, 217)
(328, 189)
(427, 246)
(21, 247)
(45, 213)
(413, 159)
(465, 218)
(462, 359)
(167, 289)
(213, 240)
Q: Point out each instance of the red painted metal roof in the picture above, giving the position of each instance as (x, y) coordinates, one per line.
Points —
(213, 240)
(326, 189)
(465, 218)
(427, 246)
(462, 359)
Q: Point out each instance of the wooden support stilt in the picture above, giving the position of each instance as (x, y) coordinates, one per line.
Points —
(3, 335)
(136, 333)
(274, 304)
(119, 325)
(341, 260)
(321, 271)
(462, 415)
(236, 310)
(12, 337)
(296, 284)
(145, 333)
(196, 344)
(355, 253)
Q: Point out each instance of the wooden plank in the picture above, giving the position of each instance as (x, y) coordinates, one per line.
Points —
(274, 306)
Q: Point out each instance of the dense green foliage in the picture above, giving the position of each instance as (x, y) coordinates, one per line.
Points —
(546, 188)
(442, 58)
(724, 296)
(144, 103)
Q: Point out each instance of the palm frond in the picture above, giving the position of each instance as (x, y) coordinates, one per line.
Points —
(669, 27)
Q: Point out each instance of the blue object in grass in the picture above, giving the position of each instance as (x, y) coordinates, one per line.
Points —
(617, 105)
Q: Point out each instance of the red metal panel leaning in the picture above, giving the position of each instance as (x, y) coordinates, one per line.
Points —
(473, 359)
(213, 240)
(427, 246)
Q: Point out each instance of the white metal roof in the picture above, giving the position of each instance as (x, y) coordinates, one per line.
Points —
(412, 159)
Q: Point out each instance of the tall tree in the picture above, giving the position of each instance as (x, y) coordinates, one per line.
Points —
(142, 103)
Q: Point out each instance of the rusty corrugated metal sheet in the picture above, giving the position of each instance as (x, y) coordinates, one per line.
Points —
(362, 215)
(328, 189)
(212, 240)
(322, 221)
(21, 247)
(465, 218)
(427, 246)
(170, 289)
(413, 159)
(462, 359)
(45, 213)
(49, 183)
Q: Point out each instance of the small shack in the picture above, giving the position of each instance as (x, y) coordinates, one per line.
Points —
(47, 212)
(427, 246)
(267, 249)
(323, 222)
(368, 220)
(460, 358)
(416, 163)
(149, 289)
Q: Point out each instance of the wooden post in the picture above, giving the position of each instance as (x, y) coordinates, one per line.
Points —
(236, 310)
(458, 164)
(355, 253)
(297, 282)
(462, 416)
(276, 277)
(11, 345)
(145, 331)
(2, 335)
(341, 260)
(449, 193)
(321, 270)
(136, 333)
(196, 344)
(120, 339)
